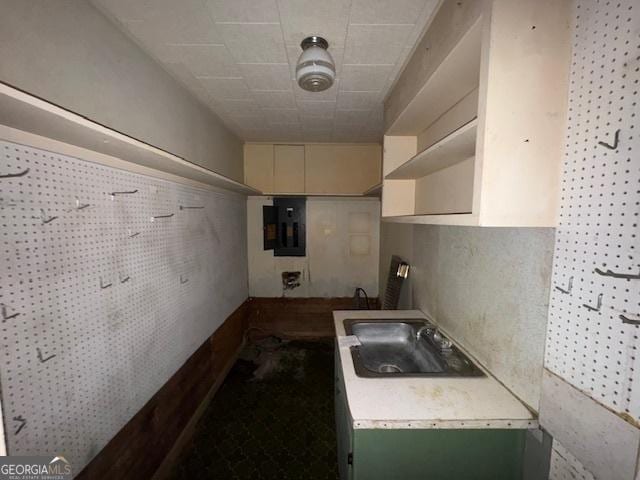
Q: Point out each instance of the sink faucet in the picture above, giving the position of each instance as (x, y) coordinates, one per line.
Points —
(421, 330)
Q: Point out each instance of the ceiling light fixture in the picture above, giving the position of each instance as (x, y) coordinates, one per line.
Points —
(315, 70)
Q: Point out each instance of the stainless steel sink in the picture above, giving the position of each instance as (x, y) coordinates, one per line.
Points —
(393, 348)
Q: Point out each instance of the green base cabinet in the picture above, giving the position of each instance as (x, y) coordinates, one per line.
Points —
(429, 454)
(344, 424)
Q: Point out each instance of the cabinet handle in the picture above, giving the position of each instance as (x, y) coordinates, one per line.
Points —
(350, 458)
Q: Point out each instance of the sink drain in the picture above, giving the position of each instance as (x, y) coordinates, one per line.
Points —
(389, 368)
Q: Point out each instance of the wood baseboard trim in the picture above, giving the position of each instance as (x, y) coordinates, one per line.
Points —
(297, 317)
(169, 462)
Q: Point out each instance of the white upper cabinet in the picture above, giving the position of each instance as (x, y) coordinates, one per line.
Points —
(313, 169)
(475, 122)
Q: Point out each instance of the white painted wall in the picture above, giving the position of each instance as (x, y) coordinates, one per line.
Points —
(488, 288)
(343, 237)
(68, 53)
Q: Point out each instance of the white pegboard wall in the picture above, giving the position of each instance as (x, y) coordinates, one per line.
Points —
(100, 304)
(593, 348)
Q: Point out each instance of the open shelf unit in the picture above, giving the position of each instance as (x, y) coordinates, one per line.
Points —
(454, 148)
(25, 113)
(473, 133)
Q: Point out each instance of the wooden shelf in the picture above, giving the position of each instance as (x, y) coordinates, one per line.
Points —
(454, 78)
(374, 191)
(24, 112)
(450, 219)
(454, 148)
(286, 194)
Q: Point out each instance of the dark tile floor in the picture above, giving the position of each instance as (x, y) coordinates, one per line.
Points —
(271, 419)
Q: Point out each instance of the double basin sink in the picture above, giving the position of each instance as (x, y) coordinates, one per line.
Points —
(409, 348)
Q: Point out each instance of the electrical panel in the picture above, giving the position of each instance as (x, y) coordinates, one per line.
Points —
(284, 227)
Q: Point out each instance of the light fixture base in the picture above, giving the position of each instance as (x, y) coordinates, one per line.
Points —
(314, 40)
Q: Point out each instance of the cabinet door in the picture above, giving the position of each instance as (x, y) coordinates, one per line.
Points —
(342, 169)
(258, 167)
(344, 432)
(289, 169)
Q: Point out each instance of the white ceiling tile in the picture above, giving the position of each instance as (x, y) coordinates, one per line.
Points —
(319, 136)
(225, 88)
(364, 77)
(388, 11)
(186, 21)
(279, 116)
(344, 135)
(354, 117)
(218, 50)
(202, 60)
(360, 120)
(249, 122)
(241, 108)
(286, 131)
(254, 42)
(243, 11)
(257, 135)
(303, 18)
(268, 76)
(275, 99)
(122, 9)
(317, 109)
(375, 44)
(358, 100)
(155, 39)
(316, 123)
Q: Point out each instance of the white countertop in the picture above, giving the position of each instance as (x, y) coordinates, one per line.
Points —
(426, 402)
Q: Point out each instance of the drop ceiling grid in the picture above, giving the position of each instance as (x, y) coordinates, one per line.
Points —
(588, 345)
(100, 304)
(239, 56)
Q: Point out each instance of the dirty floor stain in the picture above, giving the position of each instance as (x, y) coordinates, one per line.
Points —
(271, 419)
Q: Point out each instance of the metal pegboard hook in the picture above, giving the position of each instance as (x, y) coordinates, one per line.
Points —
(41, 357)
(615, 141)
(566, 291)
(15, 175)
(629, 320)
(5, 314)
(104, 285)
(81, 206)
(161, 216)
(22, 422)
(130, 192)
(626, 276)
(44, 218)
(597, 307)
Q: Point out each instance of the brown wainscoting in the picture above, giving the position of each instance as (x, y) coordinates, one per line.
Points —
(150, 442)
(297, 317)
